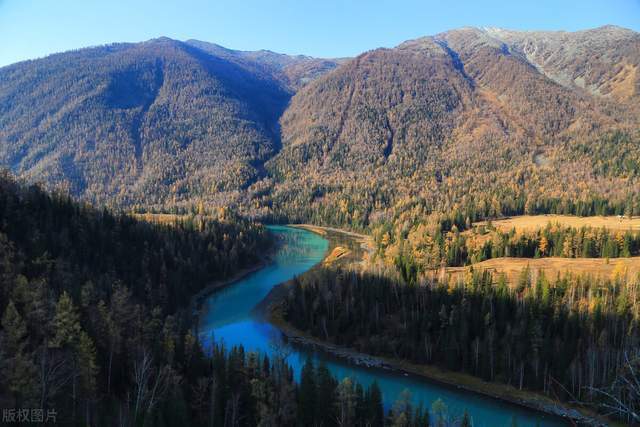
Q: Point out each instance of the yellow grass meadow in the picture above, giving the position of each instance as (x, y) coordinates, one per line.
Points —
(551, 267)
(535, 222)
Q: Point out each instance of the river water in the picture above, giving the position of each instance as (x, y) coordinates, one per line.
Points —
(226, 316)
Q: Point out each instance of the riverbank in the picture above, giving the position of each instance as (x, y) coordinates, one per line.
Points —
(451, 379)
(359, 247)
(271, 308)
(198, 299)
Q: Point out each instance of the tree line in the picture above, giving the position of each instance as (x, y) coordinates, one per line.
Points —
(233, 387)
(559, 241)
(428, 247)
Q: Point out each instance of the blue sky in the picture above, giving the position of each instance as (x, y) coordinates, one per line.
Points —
(326, 28)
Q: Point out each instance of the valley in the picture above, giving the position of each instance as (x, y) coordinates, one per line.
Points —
(254, 238)
(225, 315)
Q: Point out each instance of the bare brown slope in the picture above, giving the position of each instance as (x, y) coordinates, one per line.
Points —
(604, 60)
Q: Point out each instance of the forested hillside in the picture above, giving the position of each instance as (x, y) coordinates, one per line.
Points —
(486, 121)
(157, 122)
(94, 305)
(461, 120)
(293, 71)
(573, 338)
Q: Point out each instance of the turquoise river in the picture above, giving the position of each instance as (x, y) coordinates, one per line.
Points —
(227, 315)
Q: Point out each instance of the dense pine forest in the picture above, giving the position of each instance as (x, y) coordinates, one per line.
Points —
(566, 242)
(94, 305)
(569, 338)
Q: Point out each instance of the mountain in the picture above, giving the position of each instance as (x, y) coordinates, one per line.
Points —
(463, 117)
(152, 122)
(293, 71)
(604, 61)
(481, 117)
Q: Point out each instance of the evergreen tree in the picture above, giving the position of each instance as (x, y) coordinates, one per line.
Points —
(18, 369)
(307, 394)
(402, 413)
(346, 402)
(466, 420)
(326, 398)
(376, 409)
(440, 412)
(66, 322)
(86, 360)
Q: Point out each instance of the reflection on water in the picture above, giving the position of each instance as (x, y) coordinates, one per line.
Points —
(226, 316)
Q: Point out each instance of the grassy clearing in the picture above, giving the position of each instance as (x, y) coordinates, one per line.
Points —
(551, 267)
(536, 222)
(159, 218)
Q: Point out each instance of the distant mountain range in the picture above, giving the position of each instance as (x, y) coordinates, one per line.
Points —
(441, 118)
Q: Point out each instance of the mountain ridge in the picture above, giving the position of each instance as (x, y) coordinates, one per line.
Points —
(495, 112)
(151, 84)
(165, 122)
